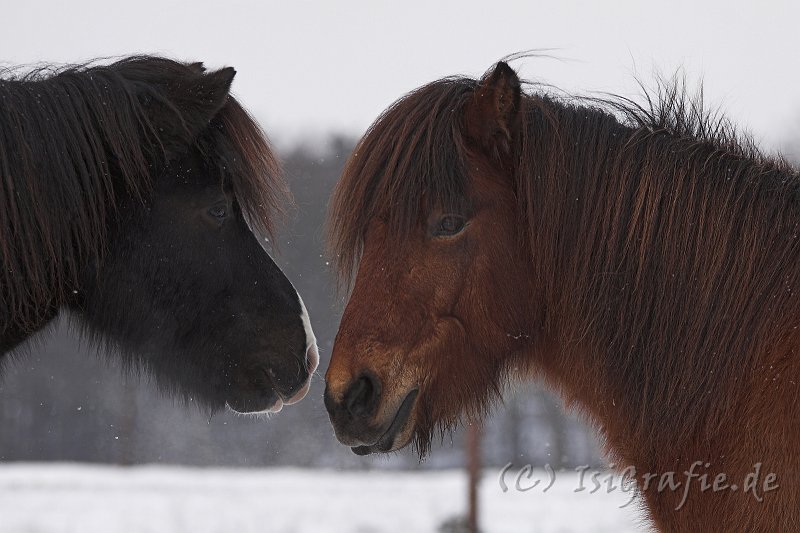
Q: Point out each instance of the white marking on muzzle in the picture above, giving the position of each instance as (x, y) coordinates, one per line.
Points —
(311, 353)
(311, 340)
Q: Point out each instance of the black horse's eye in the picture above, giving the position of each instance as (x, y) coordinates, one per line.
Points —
(218, 212)
(449, 225)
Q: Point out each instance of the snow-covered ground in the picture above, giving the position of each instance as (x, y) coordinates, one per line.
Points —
(40, 498)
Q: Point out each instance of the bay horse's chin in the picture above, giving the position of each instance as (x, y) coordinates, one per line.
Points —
(399, 433)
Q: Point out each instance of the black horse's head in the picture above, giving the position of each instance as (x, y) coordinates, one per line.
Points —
(184, 287)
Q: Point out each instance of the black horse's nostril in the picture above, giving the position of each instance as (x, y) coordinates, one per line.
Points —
(363, 396)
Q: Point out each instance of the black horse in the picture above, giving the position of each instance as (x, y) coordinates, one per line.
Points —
(137, 195)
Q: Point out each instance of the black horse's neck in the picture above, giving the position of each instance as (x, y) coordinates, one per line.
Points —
(70, 146)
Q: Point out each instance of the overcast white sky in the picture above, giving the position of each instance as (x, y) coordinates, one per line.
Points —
(309, 67)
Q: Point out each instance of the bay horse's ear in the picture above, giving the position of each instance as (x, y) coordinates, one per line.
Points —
(493, 112)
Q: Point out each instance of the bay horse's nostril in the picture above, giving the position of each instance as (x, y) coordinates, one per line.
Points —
(363, 396)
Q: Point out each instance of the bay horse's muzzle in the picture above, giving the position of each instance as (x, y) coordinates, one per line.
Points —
(354, 414)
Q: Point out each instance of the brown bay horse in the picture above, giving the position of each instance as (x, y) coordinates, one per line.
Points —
(640, 260)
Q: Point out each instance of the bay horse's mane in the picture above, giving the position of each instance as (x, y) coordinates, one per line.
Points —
(676, 237)
(77, 141)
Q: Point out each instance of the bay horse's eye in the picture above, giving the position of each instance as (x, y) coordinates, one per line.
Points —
(449, 225)
(218, 212)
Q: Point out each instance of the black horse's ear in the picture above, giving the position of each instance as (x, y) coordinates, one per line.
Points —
(493, 112)
(202, 99)
(195, 97)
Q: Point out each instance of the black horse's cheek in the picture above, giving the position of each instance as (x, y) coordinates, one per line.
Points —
(241, 335)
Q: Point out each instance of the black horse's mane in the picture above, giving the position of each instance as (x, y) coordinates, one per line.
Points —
(77, 141)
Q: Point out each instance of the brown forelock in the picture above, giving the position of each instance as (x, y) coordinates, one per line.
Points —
(409, 160)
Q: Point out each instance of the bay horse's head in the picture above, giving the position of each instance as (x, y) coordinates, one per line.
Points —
(183, 284)
(426, 217)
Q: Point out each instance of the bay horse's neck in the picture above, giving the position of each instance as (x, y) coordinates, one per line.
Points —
(670, 271)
